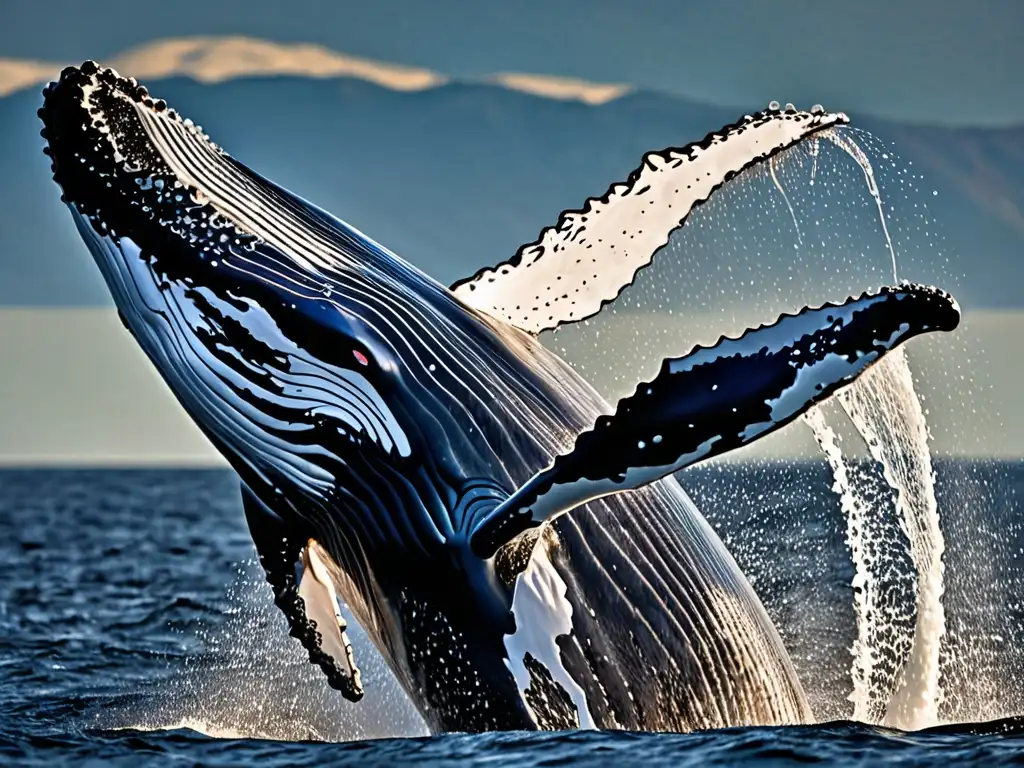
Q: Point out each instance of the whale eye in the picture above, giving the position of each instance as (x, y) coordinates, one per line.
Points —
(363, 360)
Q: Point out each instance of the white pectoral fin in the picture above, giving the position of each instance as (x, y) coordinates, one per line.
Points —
(305, 593)
(585, 260)
(323, 610)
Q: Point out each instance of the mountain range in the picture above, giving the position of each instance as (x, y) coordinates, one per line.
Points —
(456, 175)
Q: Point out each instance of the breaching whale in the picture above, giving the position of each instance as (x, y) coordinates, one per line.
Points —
(413, 457)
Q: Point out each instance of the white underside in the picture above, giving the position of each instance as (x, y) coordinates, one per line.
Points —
(543, 614)
(322, 606)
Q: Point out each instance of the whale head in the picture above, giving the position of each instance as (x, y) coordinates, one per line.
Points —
(259, 342)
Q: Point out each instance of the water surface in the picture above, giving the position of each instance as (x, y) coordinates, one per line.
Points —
(134, 628)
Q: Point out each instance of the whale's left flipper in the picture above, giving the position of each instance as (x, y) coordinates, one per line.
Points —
(585, 260)
(303, 590)
(719, 398)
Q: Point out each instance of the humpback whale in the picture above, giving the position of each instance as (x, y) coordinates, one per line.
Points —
(413, 458)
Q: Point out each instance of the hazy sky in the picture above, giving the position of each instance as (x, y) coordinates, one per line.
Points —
(947, 60)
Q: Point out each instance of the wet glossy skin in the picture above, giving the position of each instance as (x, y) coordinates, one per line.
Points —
(369, 409)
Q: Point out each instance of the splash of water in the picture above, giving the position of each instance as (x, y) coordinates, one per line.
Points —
(249, 679)
(887, 412)
(867, 597)
(738, 262)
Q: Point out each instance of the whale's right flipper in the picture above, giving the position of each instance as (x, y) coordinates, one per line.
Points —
(304, 592)
(717, 399)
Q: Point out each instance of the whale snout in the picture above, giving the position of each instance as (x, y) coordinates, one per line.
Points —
(94, 136)
(111, 147)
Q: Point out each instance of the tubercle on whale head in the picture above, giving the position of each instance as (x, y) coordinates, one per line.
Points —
(126, 162)
(85, 80)
(107, 168)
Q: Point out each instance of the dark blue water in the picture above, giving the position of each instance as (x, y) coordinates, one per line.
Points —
(134, 628)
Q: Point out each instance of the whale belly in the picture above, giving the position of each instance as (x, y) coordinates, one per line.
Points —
(650, 624)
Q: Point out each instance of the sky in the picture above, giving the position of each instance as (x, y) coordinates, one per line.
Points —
(930, 60)
(73, 387)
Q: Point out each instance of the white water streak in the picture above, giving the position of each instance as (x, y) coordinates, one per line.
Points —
(884, 407)
(782, 191)
(846, 143)
(887, 412)
(867, 598)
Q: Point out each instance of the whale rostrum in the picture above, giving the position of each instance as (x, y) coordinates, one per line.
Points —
(413, 458)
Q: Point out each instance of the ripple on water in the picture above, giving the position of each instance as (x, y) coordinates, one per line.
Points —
(114, 646)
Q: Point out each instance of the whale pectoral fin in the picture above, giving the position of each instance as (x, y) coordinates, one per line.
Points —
(719, 398)
(323, 610)
(585, 260)
(304, 592)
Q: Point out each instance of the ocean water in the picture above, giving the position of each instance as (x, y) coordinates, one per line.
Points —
(135, 628)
